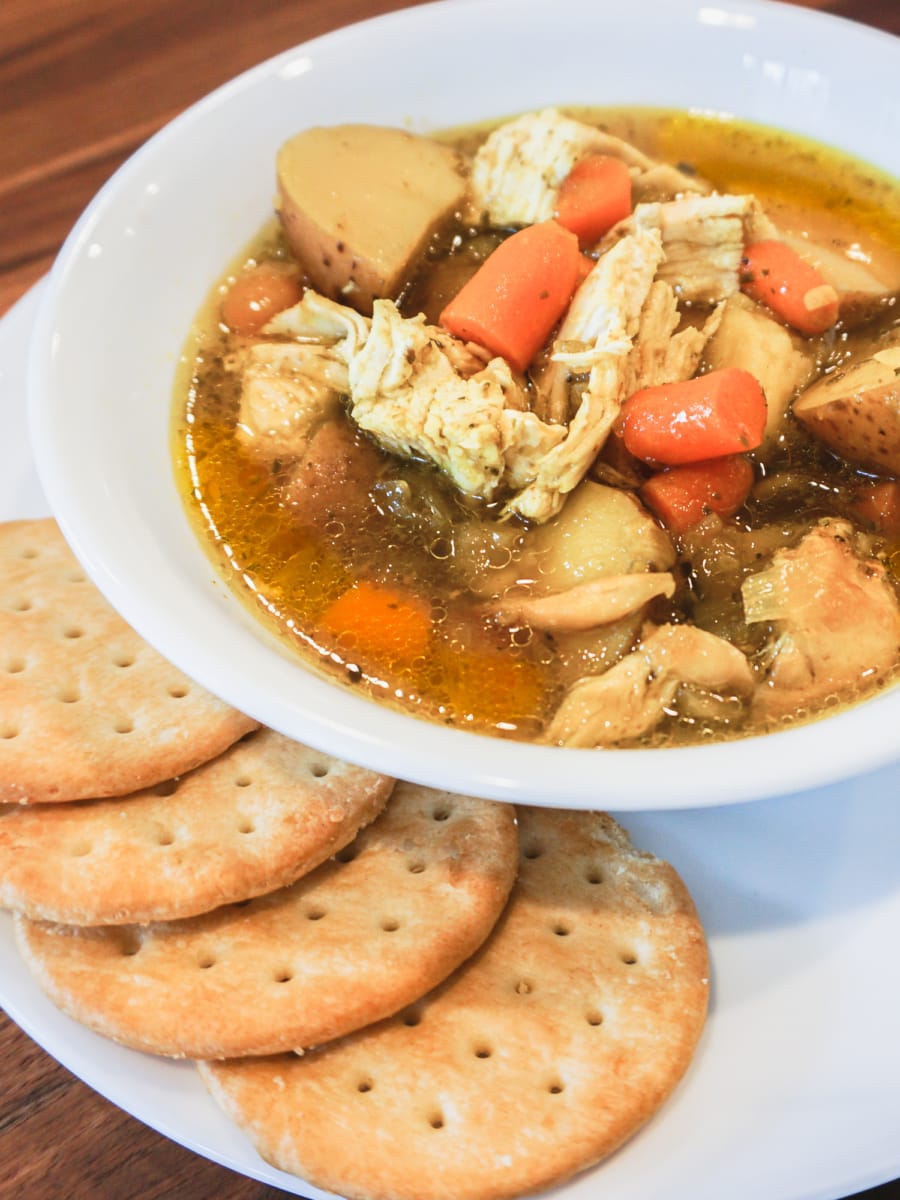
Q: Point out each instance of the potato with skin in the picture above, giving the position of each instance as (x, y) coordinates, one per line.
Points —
(747, 337)
(856, 412)
(359, 204)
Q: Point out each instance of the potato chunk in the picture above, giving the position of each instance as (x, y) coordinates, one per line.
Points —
(359, 204)
(856, 412)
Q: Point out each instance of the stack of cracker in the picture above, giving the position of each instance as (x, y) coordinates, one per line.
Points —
(398, 993)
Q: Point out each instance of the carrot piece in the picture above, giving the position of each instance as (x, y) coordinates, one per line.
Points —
(878, 505)
(684, 495)
(774, 274)
(518, 293)
(594, 196)
(380, 622)
(722, 412)
(256, 296)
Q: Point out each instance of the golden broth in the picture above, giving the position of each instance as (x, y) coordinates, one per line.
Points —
(473, 676)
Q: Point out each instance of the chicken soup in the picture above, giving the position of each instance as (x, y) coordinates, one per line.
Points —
(583, 428)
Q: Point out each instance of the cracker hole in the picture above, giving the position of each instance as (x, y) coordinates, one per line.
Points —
(28, 552)
(246, 826)
(441, 814)
(130, 943)
(436, 1120)
(76, 577)
(69, 695)
(523, 987)
(483, 1052)
(123, 660)
(73, 632)
(205, 961)
(22, 604)
(80, 849)
(318, 770)
(532, 852)
(15, 666)
(124, 726)
(242, 781)
(555, 1088)
(629, 958)
(390, 924)
(416, 867)
(165, 837)
(412, 1017)
(561, 929)
(594, 1018)
(283, 976)
(365, 1085)
(178, 691)
(315, 914)
(593, 876)
(8, 732)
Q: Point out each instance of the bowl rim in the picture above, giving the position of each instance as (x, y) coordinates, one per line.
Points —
(794, 759)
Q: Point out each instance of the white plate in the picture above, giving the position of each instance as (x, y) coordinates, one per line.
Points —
(795, 1091)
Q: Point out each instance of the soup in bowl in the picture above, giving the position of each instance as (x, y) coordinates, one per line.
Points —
(620, 537)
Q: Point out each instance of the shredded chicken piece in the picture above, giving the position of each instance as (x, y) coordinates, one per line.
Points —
(595, 338)
(517, 171)
(835, 616)
(703, 239)
(405, 391)
(287, 390)
(316, 318)
(630, 698)
(419, 391)
(587, 605)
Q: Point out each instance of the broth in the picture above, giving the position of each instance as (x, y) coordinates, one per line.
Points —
(408, 529)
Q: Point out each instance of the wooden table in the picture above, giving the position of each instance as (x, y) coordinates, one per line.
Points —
(82, 84)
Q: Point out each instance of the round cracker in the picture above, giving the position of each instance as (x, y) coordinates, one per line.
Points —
(413, 896)
(87, 708)
(536, 1059)
(254, 819)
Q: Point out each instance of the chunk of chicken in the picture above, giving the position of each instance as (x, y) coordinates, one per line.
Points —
(703, 240)
(406, 392)
(333, 479)
(419, 391)
(517, 171)
(287, 391)
(586, 605)
(835, 617)
(595, 338)
(631, 698)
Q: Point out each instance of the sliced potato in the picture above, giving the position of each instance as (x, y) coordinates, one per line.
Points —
(359, 203)
(856, 412)
(602, 531)
(865, 284)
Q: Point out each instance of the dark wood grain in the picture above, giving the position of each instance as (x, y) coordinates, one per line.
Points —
(82, 84)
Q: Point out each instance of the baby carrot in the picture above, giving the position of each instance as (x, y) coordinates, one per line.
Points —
(518, 294)
(722, 412)
(378, 622)
(256, 296)
(684, 495)
(774, 274)
(594, 196)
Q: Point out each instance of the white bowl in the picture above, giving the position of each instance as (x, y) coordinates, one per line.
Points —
(140, 261)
